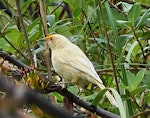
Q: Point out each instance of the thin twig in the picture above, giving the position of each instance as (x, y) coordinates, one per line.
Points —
(4, 28)
(92, 33)
(147, 112)
(142, 50)
(109, 48)
(24, 31)
(60, 4)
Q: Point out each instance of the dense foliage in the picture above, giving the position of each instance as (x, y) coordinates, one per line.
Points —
(114, 35)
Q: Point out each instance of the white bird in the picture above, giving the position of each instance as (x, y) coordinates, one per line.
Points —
(72, 64)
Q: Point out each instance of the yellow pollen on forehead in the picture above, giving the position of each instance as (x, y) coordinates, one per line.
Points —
(49, 36)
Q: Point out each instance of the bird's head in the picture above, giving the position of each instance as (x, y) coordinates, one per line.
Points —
(56, 41)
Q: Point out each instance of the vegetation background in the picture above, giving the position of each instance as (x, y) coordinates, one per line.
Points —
(114, 35)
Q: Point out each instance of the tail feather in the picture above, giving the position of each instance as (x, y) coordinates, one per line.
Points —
(108, 94)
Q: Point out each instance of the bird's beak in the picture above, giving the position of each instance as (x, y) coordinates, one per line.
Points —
(46, 38)
(49, 36)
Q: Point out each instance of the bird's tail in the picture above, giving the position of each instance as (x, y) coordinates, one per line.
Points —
(108, 94)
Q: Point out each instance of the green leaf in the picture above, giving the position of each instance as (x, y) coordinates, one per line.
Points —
(123, 39)
(50, 19)
(40, 49)
(134, 13)
(143, 19)
(90, 97)
(124, 24)
(5, 46)
(58, 96)
(26, 5)
(125, 87)
(138, 90)
(132, 51)
(130, 78)
(120, 103)
(73, 89)
(146, 79)
(99, 97)
(138, 79)
(33, 36)
(33, 25)
(12, 34)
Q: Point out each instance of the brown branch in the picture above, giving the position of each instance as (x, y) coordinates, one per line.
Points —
(53, 87)
(109, 48)
(92, 33)
(147, 112)
(45, 33)
(24, 31)
(58, 5)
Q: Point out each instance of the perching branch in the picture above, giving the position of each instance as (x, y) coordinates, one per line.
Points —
(53, 87)
(21, 95)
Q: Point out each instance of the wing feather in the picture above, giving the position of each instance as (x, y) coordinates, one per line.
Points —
(77, 59)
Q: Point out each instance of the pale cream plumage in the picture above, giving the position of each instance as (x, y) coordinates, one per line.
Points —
(72, 64)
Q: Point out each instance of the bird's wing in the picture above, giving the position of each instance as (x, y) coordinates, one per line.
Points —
(74, 57)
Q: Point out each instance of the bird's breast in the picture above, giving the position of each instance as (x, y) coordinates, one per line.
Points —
(67, 72)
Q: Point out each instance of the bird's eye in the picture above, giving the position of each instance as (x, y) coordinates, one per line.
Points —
(51, 39)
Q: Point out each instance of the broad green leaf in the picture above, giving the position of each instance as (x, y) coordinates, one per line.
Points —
(12, 34)
(134, 13)
(99, 97)
(138, 79)
(73, 89)
(146, 79)
(130, 78)
(33, 25)
(58, 96)
(90, 97)
(5, 46)
(139, 90)
(26, 5)
(128, 57)
(123, 39)
(143, 19)
(33, 36)
(50, 19)
(124, 24)
(126, 87)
